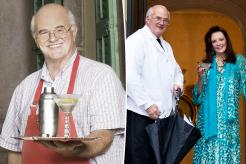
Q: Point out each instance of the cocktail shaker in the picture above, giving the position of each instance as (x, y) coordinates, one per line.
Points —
(48, 113)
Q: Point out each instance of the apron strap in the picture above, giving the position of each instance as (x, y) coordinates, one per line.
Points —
(38, 92)
(73, 74)
(60, 131)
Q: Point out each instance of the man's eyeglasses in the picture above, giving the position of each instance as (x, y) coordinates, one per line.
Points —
(160, 19)
(59, 32)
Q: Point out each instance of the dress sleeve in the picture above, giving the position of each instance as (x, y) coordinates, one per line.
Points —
(242, 71)
(196, 97)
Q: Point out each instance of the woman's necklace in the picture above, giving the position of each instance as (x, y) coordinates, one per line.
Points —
(220, 63)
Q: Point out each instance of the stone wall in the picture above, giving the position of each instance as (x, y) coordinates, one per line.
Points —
(16, 59)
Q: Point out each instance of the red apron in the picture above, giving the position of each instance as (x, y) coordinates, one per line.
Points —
(36, 153)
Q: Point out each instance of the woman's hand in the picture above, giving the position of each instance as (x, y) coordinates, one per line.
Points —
(201, 69)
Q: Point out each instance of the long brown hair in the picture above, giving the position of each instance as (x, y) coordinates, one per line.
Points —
(230, 54)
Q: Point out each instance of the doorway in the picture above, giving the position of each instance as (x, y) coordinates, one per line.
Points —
(190, 27)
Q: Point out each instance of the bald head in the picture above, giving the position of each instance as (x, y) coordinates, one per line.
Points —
(157, 19)
(55, 11)
(155, 8)
(54, 32)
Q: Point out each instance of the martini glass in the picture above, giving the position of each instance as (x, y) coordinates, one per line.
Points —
(66, 103)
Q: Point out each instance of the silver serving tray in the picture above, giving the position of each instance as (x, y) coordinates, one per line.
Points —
(39, 138)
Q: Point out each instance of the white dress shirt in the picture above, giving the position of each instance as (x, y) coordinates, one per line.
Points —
(151, 73)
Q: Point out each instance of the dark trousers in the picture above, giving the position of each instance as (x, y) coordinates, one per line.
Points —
(138, 149)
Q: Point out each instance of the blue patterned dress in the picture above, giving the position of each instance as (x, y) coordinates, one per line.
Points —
(225, 147)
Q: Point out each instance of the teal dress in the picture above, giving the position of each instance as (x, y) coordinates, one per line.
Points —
(224, 148)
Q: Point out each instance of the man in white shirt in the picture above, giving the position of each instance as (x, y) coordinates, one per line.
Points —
(153, 77)
(99, 112)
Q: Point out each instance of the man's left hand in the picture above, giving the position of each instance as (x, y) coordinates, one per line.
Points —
(66, 148)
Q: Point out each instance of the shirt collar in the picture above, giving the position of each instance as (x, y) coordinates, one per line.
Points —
(150, 34)
(45, 72)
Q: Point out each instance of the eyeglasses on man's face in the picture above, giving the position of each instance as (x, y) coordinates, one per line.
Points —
(59, 32)
(160, 20)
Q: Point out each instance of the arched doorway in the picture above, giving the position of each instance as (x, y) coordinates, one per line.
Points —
(186, 35)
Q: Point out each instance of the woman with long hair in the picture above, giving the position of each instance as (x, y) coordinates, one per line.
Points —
(221, 80)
